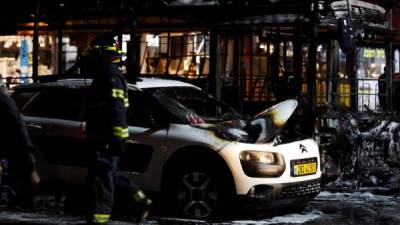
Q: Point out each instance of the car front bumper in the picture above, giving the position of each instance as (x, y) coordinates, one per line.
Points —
(277, 196)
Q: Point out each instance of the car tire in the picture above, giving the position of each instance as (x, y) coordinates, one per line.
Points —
(199, 191)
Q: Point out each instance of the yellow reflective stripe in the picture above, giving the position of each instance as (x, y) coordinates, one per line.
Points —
(118, 93)
(108, 48)
(126, 102)
(120, 129)
(121, 132)
(100, 218)
(121, 135)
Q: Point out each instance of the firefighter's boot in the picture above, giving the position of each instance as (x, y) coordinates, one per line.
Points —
(143, 204)
(97, 219)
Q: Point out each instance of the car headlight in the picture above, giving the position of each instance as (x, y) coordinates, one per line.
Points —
(262, 164)
(259, 157)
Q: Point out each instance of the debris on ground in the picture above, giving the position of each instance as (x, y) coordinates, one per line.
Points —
(359, 150)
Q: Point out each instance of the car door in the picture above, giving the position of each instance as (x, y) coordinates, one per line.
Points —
(148, 125)
(53, 120)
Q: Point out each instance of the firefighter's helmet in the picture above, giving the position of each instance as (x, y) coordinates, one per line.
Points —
(106, 46)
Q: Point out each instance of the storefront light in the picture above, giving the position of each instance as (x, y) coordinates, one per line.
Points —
(7, 44)
(263, 47)
(152, 40)
(289, 53)
(42, 42)
(32, 24)
(319, 49)
(271, 48)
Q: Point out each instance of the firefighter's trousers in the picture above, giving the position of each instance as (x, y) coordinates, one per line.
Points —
(102, 179)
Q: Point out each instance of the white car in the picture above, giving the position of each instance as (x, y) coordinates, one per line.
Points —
(184, 143)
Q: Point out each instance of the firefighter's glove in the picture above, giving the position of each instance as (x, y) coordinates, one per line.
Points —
(116, 147)
(34, 178)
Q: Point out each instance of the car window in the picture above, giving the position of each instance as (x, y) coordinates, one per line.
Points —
(57, 104)
(144, 111)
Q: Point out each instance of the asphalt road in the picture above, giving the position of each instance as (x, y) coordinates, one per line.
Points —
(326, 209)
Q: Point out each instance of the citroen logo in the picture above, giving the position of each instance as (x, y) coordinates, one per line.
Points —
(303, 148)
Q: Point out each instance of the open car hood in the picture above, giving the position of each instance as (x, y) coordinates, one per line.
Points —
(279, 113)
(266, 124)
(260, 129)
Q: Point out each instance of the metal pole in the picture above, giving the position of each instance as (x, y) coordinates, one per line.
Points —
(298, 60)
(350, 68)
(133, 57)
(333, 65)
(60, 49)
(236, 68)
(120, 25)
(214, 74)
(389, 65)
(242, 74)
(136, 53)
(311, 76)
(168, 47)
(35, 53)
(132, 65)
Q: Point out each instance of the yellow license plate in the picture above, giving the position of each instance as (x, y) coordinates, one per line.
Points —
(304, 169)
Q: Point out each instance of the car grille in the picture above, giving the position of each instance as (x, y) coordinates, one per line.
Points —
(302, 190)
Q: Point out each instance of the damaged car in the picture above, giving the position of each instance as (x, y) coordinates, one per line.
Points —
(197, 151)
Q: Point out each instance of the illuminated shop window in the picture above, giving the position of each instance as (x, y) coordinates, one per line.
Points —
(321, 88)
(184, 54)
(343, 82)
(267, 68)
(304, 67)
(13, 49)
(371, 65)
(16, 57)
(47, 54)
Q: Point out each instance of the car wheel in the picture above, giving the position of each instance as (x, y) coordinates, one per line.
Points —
(198, 192)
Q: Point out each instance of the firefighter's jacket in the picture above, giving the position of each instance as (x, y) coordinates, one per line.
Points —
(106, 105)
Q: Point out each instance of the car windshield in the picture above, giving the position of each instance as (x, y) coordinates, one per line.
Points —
(193, 105)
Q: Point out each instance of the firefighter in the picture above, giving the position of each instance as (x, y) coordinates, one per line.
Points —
(18, 149)
(107, 130)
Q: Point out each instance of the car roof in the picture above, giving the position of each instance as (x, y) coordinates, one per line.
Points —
(145, 82)
(59, 84)
(141, 83)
